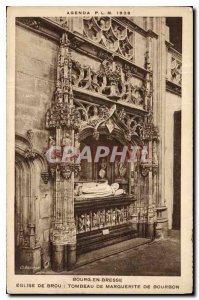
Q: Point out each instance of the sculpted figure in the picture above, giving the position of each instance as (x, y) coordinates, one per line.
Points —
(66, 141)
(96, 190)
(122, 169)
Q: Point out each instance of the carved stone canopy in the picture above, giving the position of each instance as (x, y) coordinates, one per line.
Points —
(111, 80)
(83, 116)
(93, 118)
(24, 149)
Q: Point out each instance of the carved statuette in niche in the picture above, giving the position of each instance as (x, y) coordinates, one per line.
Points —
(66, 141)
(102, 172)
(122, 169)
(52, 141)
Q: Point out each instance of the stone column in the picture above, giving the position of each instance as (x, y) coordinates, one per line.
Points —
(59, 119)
(69, 220)
(160, 77)
(150, 214)
(64, 231)
(149, 99)
(57, 234)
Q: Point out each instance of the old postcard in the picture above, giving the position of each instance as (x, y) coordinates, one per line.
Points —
(99, 163)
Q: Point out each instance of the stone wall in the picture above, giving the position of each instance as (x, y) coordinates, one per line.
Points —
(35, 84)
(173, 103)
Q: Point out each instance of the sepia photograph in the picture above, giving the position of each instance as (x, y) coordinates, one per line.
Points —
(97, 146)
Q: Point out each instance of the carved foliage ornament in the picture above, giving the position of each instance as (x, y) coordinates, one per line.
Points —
(62, 21)
(29, 152)
(62, 114)
(62, 234)
(64, 170)
(110, 34)
(111, 80)
(150, 134)
(145, 169)
(32, 22)
(93, 116)
(132, 125)
(67, 169)
(61, 111)
(176, 71)
(45, 176)
(90, 115)
(150, 131)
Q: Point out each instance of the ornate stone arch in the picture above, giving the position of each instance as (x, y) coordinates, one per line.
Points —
(28, 164)
(117, 133)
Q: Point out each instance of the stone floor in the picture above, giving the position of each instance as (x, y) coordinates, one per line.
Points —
(139, 257)
(160, 257)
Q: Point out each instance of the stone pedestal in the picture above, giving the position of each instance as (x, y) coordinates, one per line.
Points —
(142, 229)
(134, 219)
(58, 258)
(134, 225)
(63, 257)
(71, 256)
(161, 230)
(30, 260)
(150, 230)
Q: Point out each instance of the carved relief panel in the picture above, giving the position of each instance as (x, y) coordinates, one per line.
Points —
(174, 67)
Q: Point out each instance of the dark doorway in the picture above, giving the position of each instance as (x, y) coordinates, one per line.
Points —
(177, 171)
(175, 32)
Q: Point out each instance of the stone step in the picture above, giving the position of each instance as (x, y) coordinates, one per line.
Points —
(95, 255)
(101, 253)
(96, 240)
(174, 233)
